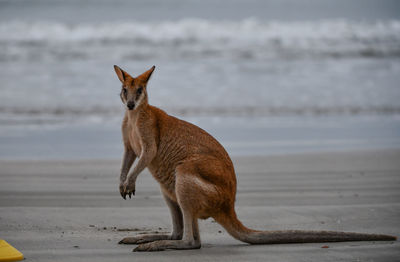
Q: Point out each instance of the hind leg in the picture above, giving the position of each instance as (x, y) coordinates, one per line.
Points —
(188, 242)
(177, 227)
(186, 190)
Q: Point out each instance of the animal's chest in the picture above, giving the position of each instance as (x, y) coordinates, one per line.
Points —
(134, 140)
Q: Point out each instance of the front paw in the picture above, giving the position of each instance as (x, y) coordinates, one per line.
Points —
(127, 189)
(122, 191)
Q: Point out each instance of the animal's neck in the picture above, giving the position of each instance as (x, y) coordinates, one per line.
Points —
(134, 114)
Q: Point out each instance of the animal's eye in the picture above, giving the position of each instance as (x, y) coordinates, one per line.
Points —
(124, 91)
(139, 91)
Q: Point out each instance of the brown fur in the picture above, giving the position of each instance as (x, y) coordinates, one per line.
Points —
(196, 176)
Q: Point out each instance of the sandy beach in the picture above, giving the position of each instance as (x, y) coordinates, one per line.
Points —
(71, 210)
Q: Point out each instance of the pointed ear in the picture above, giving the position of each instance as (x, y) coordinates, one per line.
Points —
(122, 75)
(146, 75)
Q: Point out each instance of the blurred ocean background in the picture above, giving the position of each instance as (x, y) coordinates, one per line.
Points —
(264, 77)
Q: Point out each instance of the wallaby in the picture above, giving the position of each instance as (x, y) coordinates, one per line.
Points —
(196, 176)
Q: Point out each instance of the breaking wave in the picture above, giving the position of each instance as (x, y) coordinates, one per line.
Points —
(196, 38)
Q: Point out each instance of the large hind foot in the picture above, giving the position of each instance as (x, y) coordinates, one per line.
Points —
(168, 244)
(144, 238)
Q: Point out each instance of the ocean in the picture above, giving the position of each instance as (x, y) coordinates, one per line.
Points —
(264, 77)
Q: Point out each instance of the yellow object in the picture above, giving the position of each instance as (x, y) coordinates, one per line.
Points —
(9, 253)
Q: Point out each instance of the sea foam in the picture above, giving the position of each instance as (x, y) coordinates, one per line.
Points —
(193, 38)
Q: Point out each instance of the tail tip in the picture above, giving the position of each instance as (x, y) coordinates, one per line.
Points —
(387, 238)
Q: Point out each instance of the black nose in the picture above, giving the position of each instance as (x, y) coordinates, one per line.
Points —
(130, 105)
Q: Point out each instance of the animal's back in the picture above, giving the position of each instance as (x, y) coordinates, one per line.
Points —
(181, 143)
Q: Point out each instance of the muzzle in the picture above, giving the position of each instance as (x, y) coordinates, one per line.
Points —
(130, 105)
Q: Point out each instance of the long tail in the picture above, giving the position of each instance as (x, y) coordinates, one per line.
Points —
(236, 229)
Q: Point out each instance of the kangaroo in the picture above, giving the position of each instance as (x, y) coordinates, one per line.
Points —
(196, 176)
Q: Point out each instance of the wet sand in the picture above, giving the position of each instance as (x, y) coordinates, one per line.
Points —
(72, 211)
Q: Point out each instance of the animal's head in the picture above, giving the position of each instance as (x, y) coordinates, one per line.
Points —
(133, 92)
